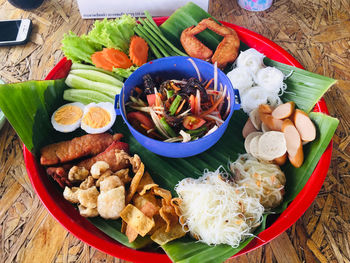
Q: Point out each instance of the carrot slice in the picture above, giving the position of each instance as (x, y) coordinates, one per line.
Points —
(138, 50)
(216, 104)
(99, 61)
(118, 58)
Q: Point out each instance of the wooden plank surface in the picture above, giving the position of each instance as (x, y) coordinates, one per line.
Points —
(316, 32)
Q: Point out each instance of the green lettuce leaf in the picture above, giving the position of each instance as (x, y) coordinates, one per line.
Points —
(114, 33)
(125, 73)
(79, 49)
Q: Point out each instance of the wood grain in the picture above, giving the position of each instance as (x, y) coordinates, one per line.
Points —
(316, 32)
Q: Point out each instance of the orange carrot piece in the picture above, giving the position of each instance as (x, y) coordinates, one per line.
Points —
(213, 107)
(180, 107)
(99, 61)
(138, 50)
(208, 84)
(176, 88)
(118, 58)
(138, 90)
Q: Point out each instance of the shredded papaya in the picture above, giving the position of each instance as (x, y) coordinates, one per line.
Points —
(138, 50)
(208, 84)
(180, 107)
(216, 104)
(118, 58)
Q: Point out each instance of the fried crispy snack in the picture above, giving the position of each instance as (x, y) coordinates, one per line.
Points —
(115, 155)
(135, 182)
(141, 223)
(90, 144)
(161, 237)
(226, 51)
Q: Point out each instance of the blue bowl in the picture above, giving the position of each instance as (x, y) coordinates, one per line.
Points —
(176, 68)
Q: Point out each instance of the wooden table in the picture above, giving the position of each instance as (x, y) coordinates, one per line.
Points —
(316, 32)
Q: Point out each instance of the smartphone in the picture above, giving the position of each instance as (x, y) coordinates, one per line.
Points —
(14, 32)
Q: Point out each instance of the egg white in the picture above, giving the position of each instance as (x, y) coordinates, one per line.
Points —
(70, 127)
(109, 107)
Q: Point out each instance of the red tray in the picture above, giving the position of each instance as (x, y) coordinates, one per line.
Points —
(70, 218)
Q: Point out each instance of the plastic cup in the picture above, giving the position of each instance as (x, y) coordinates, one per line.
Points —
(255, 5)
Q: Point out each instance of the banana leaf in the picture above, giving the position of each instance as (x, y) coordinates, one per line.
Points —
(301, 84)
(28, 107)
(112, 228)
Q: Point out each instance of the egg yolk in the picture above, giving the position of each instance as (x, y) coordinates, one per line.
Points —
(97, 117)
(68, 115)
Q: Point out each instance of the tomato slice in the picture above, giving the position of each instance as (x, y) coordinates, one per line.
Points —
(193, 122)
(136, 118)
(151, 99)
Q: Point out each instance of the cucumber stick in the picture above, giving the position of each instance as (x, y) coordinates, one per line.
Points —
(86, 96)
(83, 66)
(77, 82)
(96, 76)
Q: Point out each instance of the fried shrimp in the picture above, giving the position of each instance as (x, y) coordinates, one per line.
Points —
(226, 51)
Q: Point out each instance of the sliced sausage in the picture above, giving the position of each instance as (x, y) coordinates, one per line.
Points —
(264, 128)
(271, 123)
(254, 146)
(264, 108)
(248, 128)
(294, 144)
(255, 119)
(304, 125)
(272, 145)
(280, 160)
(248, 140)
(284, 111)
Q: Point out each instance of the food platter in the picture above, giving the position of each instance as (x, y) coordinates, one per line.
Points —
(70, 218)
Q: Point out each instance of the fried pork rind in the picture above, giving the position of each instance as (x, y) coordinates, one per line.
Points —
(88, 197)
(141, 223)
(123, 174)
(135, 182)
(87, 183)
(71, 194)
(109, 183)
(110, 203)
(135, 162)
(161, 236)
(103, 176)
(87, 212)
(77, 174)
(98, 168)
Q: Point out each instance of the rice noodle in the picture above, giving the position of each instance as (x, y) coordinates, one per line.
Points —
(217, 211)
(262, 180)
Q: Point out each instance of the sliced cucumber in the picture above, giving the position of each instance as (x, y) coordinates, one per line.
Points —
(86, 96)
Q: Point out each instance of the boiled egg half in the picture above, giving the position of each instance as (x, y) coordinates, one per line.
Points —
(98, 118)
(67, 118)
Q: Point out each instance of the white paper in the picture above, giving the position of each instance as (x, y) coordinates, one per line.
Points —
(90, 9)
